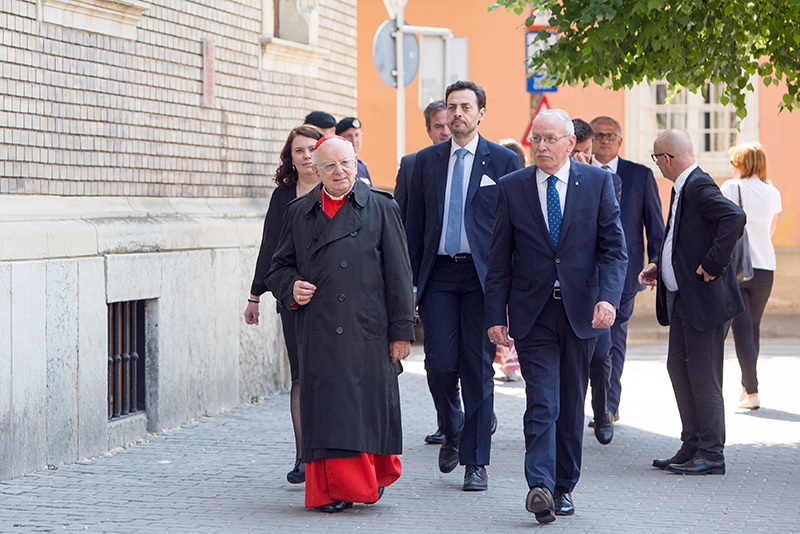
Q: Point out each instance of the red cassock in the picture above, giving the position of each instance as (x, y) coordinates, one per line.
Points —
(353, 479)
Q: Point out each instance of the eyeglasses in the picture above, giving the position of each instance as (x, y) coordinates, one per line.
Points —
(550, 140)
(330, 168)
(599, 136)
(656, 156)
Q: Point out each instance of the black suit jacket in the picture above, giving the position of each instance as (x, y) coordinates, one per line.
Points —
(589, 262)
(403, 183)
(426, 200)
(640, 208)
(707, 226)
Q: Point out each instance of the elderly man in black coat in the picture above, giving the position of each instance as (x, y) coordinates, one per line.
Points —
(342, 264)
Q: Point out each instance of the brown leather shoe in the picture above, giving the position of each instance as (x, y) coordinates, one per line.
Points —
(540, 503)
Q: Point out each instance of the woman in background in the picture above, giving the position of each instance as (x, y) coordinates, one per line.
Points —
(295, 177)
(762, 203)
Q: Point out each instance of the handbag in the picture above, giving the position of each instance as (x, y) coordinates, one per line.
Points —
(740, 259)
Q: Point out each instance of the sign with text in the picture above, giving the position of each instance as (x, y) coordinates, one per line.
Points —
(538, 83)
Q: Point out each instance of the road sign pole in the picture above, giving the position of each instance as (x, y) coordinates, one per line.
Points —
(401, 86)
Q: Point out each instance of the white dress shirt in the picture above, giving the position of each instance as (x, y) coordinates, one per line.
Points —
(667, 271)
(612, 165)
(561, 186)
(469, 158)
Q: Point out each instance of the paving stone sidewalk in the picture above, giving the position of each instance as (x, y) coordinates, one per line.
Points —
(226, 473)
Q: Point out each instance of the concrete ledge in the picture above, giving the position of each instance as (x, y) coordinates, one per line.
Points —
(124, 431)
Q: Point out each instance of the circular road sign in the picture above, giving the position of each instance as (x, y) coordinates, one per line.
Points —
(385, 54)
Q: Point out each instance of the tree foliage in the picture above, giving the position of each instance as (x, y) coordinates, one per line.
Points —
(688, 43)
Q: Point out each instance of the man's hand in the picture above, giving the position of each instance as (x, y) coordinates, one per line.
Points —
(649, 276)
(251, 313)
(399, 350)
(498, 335)
(604, 315)
(303, 291)
(579, 157)
(706, 277)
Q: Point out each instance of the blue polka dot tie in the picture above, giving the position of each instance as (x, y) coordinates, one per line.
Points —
(452, 237)
(553, 210)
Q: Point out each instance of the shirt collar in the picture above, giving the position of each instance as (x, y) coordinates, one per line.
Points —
(612, 165)
(471, 147)
(562, 173)
(682, 177)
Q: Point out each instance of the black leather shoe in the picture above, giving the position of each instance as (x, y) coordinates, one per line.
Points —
(475, 478)
(604, 431)
(494, 423)
(591, 423)
(698, 466)
(448, 454)
(562, 501)
(296, 476)
(682, 456)
(435, 438)
(335, 507)
(380, 494)
(539, 502)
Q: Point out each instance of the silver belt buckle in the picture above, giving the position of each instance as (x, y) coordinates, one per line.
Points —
(557, 293)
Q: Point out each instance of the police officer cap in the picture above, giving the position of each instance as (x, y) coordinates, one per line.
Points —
(320, 119)
(346, 124)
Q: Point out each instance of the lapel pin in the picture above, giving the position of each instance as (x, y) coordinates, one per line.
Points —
(576, 183)
(483, 163)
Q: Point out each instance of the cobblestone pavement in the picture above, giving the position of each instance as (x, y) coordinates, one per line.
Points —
(226, 473)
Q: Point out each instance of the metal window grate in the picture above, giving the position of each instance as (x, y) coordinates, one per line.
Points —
(126, 361)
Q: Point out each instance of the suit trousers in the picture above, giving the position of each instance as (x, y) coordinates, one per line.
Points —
(555, 365)
(619, 345)
(694, 363)
(457, 346)
(600, 376)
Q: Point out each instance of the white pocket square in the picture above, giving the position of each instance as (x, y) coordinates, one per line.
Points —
(486, 180)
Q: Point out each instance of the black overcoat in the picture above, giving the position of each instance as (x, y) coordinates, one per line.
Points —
(349, 399)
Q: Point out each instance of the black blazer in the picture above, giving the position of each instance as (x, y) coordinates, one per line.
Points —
(640, 208)
(403, 183)
(269, 236)
(708, 226)
(589, 262)
(426, 200)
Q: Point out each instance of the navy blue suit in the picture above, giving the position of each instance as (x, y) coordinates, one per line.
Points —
(403, 183)
(450, 294)
(640, 213)
(554, 337)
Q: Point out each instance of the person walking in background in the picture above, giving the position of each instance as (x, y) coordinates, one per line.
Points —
(342, 267)
(350, 129)
(451, 207)
(697, 294)
(640, 212)
(557, 263)
(761, 201)
(295, 177)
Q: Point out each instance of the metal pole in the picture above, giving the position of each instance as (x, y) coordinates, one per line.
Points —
(401, 87)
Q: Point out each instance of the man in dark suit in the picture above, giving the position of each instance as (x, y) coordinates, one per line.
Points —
(439, 132)
(561, 278)
(697, 294)
(640, 212)
(450, 215)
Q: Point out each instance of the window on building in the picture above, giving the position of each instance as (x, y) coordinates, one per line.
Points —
(289, 37)
(117, 18)
(126, 358)
(653, 108)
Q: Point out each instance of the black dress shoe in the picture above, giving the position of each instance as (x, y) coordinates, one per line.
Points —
(591, 423)
(475, 478)
(539, 502)
(435, 438)
(698, 466)
(604, 431)
(380, 494)
(563, 502)
(494, 423)
(335, 507)
(448, 454)
(296, 476)
(682, 456)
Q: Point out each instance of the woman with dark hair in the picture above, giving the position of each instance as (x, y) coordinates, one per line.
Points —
(761, 201)
(295, 177)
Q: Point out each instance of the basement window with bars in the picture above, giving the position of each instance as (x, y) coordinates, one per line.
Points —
(126, 358)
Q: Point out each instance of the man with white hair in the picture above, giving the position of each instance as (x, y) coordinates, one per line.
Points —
(342, 266)
(557, 263)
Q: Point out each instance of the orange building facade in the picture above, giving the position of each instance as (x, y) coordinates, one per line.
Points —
(496, 62)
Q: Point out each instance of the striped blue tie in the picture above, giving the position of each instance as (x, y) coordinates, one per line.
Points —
(452, 237)
(553, 210)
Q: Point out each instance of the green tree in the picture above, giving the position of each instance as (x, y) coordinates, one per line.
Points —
(688, 43)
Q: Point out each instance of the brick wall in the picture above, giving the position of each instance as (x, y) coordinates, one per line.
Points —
(88, 114)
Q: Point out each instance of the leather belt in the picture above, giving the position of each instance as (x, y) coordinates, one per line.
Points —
(462, 257)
